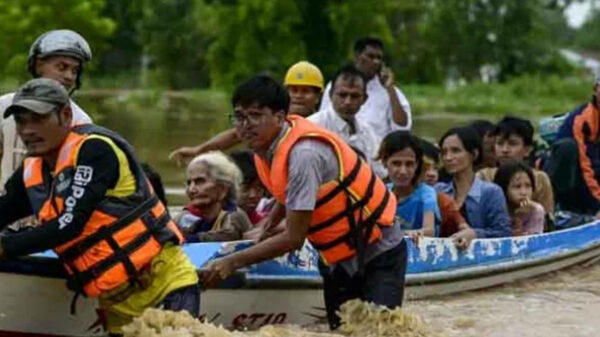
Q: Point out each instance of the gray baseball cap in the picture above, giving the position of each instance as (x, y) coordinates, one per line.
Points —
(40, 95)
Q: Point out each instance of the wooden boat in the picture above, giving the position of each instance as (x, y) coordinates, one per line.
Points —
(35, 302)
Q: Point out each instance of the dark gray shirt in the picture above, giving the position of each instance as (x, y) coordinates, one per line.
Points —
(313, 163)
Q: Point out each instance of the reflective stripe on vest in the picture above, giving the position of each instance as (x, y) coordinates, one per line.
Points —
(122, 235)
(348, 209)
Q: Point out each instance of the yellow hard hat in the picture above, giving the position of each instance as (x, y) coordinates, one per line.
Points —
(304, 73)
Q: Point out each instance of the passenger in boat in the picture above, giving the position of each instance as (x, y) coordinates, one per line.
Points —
(451, 224)
(480, 202)
(431, 159)
(97, 211)
(212, 181)
(574, 164)
(417, 208)
(514, 141)
(517, 180)
(59, 55)
(304, 82)
(485, 129)
(318, 180)
(347, 95)
(252, 190)
(386, 108)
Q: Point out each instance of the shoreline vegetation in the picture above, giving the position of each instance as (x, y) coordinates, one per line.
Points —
(524, 96)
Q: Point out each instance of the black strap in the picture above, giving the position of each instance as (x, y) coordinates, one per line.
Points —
(106, 232)
(366, 225)
(74, 302)
(121, 256)
(79, 279)
(342, 186)
(350, 209)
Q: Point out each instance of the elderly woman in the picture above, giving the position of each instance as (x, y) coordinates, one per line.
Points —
(213, 182)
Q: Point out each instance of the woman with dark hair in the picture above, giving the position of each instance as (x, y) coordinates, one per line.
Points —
(417, 208)
(481, 203)
(518, 183)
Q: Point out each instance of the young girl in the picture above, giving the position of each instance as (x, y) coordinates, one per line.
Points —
(518, 183)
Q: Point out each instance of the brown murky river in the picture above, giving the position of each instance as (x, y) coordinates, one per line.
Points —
(566, 303)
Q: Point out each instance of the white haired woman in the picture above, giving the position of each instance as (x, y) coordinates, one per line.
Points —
(213, 181)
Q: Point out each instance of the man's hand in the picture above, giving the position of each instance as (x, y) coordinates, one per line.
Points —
(386, 77)
(184, 154)
(216, 271)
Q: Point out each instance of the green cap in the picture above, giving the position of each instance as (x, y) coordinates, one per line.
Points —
(40, 95)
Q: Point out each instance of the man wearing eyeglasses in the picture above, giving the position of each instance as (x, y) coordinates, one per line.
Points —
(326, 194)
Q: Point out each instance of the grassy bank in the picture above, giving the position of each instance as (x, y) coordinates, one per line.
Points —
(524, 96)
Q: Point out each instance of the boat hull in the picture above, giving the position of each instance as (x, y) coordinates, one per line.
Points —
(35, 301)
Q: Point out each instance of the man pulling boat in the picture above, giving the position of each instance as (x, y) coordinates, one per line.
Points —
(340, 206)
(96, 210)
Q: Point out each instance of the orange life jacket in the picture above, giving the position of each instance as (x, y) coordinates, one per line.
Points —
(349, 209)
(122, 235)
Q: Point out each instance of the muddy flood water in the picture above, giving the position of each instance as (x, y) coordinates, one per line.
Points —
(564, 303)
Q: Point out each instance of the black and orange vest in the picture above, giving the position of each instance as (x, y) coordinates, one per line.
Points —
(349, 210)
(122, 235)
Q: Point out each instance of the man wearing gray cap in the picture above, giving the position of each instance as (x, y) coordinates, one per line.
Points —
(96, 210)
(574, 164)
(59, 55)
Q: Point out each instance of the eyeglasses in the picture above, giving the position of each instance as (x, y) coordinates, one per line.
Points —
(252, 118)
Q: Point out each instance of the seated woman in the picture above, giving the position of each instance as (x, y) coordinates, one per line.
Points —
(252, 190)
(417, 208)
(212, 186)
(517, 180)
(419, 205)
(481, 203)
(452, 224)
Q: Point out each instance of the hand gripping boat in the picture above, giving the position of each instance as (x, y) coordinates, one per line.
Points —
(35, 302)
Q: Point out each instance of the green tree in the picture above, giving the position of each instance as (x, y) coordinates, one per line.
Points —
(511, 34)
(175, 35)
(21, 21)
(588, 35)
(254, 36)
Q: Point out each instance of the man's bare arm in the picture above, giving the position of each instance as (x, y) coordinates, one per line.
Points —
(222, 141)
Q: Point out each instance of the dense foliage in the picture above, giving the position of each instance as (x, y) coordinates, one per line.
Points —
(201, 43)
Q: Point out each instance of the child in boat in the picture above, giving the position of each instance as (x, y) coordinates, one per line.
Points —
(518, 183)
(431, 158)
(417, 208)
(213, 182)
(252, 190)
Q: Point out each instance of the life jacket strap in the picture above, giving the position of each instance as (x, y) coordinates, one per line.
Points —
(81, 247)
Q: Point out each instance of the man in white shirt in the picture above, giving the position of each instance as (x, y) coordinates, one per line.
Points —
(58, 55)
(386, 108)
(347, 95)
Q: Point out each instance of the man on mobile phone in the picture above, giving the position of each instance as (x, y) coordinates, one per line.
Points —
(386, 108)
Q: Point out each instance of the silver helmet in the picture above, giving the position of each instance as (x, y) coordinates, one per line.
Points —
(62, 42)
